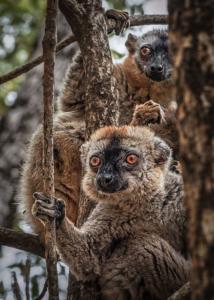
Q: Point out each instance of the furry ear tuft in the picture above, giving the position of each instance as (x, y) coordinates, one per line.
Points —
(131, 43)
(162, 151)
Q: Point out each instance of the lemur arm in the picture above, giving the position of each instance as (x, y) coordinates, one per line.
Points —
(81, 248)
(161, 121)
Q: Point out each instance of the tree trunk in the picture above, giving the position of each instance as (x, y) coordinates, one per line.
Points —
(192, 44)
(101, 97)
(21, 121)
(87, 21)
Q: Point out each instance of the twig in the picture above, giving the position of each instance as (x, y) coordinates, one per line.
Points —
(139, 20)
(26, 273)
(2, 289)
(182, 294)
(15, 287)
(49, 48)
(100, 94)
(44, 290)
(23, 241)
(35, 62)
(136, 20)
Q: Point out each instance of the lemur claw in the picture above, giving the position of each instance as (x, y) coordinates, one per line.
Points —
(148, 113)
(46, 210)
(176, 167)
(121, 18)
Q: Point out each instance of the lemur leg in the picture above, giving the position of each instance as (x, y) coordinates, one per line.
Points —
(148, 113)
(71, 242)
(67, 172)
(148, 265)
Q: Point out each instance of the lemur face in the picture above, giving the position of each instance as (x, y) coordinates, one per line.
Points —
(151, 54)
(123, 160)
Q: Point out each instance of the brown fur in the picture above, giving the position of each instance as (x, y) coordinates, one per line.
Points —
(130, 244)
(67, 168)
(133, 85)
(67, 141)
(134, 88)
(144, 88)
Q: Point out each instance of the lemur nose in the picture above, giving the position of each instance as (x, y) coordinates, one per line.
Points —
(107, 178)
(156, 68)
(105, 181)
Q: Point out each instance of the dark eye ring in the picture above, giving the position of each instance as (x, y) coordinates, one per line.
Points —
(145, 51)
(95, 161)
(132, 159)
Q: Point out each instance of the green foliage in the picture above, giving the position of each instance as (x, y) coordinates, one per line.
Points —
(132, 6)
(20, 22)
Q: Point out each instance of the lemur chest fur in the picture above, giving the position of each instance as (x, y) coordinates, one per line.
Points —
(137, 88)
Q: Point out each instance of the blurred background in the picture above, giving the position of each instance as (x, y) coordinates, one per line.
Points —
(21, 32)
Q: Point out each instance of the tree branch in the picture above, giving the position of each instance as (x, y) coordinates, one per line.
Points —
(35, 62)
(26, 274)
(139, 20)
(100, 98)
(43, 292)
(49, 47)
(183, 293)
(15, 287)
(23, 241)
(136, 20)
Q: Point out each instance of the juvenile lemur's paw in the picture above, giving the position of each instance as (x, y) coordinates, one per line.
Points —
(46, 210)
(121, 18)
(176, 167)
(148, 113)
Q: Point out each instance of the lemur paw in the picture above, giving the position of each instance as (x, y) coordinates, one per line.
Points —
(148, 113)
(176, 167)
(121, 18)
(46, 210)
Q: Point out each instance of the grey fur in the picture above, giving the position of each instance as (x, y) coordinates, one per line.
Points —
(127, 242)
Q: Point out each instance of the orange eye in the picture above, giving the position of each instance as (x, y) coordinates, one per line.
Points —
(145, 51)
(132, 159)
(95, 161)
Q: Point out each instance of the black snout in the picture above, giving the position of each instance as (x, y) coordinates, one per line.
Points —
(106, 179)
(156, 72)
(156, 68)
(108, 182)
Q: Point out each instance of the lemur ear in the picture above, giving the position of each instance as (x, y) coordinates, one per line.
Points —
(131, 43)
(162, 151)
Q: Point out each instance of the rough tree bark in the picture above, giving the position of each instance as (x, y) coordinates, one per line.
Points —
(192, 43)
(23, 241)
(21, 120)
(88, 23)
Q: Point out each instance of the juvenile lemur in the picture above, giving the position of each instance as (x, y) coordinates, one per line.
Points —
(148, 60)
(131, 241)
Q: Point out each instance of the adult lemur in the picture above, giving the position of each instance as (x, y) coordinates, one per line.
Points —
(145, 73)
(131, 242)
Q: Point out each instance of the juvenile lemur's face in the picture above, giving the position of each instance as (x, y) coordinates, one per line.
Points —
(151, 54)
(120, 161)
